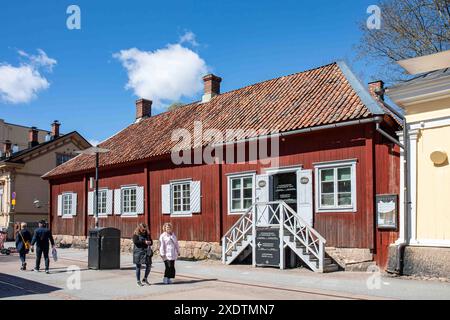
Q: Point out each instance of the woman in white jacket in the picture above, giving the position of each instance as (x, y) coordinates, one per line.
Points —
(169, 251)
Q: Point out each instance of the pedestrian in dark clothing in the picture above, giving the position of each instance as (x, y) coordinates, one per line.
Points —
(142, 252)
(23, 245)
(42, 238)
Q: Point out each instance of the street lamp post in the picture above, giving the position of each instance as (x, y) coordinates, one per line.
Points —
(95, 151)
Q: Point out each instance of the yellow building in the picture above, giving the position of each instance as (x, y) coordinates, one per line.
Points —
(425, 224)
(21, 170)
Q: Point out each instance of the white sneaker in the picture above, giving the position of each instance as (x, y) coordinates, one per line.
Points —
(166, 280)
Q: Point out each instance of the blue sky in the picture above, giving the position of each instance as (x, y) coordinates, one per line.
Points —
(244, 42)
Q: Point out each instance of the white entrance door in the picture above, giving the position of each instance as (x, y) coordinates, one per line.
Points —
(305, 195)
(262, 195)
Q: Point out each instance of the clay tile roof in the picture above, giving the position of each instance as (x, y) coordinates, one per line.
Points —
(325, 95)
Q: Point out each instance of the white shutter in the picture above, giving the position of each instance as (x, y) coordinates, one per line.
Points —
(196, 197)
(109, 202)
(74, 204)
(305, 196)
(140, 200)
(59, 206)
(91, 203)
(117, 201)
(165, 199)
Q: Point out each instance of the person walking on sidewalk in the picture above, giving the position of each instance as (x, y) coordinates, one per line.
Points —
(23, 245)
(142, 252)
(41, 238)
(169, 251)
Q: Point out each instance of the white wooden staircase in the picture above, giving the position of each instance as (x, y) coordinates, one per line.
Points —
(295, 233)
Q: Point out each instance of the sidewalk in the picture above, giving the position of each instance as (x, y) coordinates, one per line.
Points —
(207, 280)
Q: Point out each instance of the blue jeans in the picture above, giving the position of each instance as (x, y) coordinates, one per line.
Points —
(39, 252)
(23, 257)
(138, 271)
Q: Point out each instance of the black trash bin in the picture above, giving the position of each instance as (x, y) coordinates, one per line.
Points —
(104, 248)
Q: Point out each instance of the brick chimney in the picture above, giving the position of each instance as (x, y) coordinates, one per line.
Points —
(55, 130)
(7, 148)
(212, 87)
(143, 109)
(376, 89)
(33, 137)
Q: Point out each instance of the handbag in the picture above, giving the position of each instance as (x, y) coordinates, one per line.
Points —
(26, 244)
(55, 254)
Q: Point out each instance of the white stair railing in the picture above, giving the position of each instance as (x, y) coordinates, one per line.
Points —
(237, 233)
(310, 239)
(276, 214)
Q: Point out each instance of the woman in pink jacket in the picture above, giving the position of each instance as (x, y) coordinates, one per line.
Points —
(169, 251)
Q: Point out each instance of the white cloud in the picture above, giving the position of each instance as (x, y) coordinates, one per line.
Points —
(189, 37)
(21, 84)
(165, 74)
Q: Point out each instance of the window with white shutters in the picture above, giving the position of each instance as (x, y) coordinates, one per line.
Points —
(129, 201)
(67, 204)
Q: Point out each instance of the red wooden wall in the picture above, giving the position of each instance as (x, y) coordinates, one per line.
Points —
(376, 172)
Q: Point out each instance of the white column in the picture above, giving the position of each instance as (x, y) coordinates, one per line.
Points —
(402, 214)
(413, 184)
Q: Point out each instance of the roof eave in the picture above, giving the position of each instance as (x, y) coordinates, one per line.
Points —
(360, 89)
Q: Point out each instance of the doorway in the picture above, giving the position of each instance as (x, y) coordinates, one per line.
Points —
(284, 188)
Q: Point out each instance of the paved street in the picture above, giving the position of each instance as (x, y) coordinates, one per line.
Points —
(204, 280)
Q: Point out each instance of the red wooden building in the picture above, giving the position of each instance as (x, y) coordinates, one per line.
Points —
(331, 164)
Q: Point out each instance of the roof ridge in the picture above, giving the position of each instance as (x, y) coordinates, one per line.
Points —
(197, 102)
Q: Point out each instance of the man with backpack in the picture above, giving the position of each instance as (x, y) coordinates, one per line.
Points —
(42, 238)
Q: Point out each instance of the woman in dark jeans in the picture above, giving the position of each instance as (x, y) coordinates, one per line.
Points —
(23, 239)
(142, 252)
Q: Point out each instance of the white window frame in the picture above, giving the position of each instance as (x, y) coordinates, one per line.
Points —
(229, 191)
(101, 191)
(122, 202)
(335, 165)
(67, 213)
(173, 212)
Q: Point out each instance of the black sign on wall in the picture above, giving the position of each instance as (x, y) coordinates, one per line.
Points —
(267, 247)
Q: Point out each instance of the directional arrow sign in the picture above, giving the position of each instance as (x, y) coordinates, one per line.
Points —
(267, 247)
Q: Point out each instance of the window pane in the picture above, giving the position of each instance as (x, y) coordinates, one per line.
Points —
(247, 203)
(248, 182)
(236, 183)
(236, 194)
(344, 186)
(327, 199)
(344, 173)
(248, 193)
(236, 204)
(327, 187)
(327, 175)
(344, 199)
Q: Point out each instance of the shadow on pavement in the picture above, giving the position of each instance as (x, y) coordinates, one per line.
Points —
(185, 282)
(12, 286)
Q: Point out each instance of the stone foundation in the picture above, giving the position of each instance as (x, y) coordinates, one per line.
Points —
(351, 259)
(65, 241)
(189, 250)
(432, 262)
